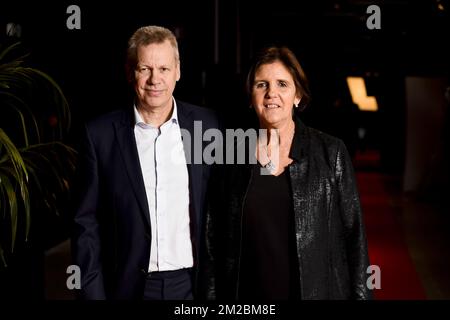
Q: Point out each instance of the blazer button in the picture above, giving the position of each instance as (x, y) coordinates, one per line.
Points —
(143, 271)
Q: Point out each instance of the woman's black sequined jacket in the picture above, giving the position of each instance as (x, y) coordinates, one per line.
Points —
(331, 241)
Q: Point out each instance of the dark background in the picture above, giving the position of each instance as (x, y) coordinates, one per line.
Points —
(217, 40)
(330, 39)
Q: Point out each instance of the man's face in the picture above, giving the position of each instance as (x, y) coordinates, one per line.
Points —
(156, 74)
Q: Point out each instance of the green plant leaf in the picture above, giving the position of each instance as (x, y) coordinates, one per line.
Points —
(18, 108)
(16, 159)
(12, 47)
(39, 166)
(12, 202)
(65, 112)
(2, 256)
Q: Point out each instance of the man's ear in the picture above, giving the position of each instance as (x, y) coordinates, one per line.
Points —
(178, 71)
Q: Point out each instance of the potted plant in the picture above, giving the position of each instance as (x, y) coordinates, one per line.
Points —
(35, 164)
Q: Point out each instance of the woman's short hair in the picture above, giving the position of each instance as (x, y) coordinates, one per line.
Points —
(287, 58)
(143, 37)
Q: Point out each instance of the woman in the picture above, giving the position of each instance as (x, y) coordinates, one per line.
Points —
(292, 225)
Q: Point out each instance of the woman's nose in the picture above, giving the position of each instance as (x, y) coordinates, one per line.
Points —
(271, 91)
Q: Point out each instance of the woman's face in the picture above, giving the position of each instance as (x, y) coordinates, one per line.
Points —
(274, 95)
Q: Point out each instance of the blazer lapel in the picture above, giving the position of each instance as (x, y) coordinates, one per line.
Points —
(186, 122)
(299, 172)
(127, 144)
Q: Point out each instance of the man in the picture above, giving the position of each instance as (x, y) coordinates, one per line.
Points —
(139, 220)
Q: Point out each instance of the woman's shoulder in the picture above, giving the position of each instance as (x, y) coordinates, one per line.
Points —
(324, 143)
(323, 138)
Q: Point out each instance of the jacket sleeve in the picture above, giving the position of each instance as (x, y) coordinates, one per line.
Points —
(355, 236)
(209, 261)
(86, 238)
(209, 254)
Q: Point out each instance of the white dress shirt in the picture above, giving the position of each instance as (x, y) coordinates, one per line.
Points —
(163, 164)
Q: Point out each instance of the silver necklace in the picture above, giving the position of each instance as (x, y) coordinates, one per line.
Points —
(270, 166)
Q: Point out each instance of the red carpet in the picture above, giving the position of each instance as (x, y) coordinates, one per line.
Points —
(387, 247)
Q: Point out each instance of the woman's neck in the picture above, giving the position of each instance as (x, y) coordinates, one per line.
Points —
(273, 149)
(284, 132)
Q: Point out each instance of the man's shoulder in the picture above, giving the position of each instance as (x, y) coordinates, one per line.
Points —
(107, 119)
(198, 111)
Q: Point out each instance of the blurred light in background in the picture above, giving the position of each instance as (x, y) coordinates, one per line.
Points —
(358, 91)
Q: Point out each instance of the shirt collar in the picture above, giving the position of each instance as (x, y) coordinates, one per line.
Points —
(139, 121)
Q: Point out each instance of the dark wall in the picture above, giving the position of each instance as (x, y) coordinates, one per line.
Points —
(330, 38)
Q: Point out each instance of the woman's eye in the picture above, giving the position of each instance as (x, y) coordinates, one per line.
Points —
(261, 85)
(282, 84)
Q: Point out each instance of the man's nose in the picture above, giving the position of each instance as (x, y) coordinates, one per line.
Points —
(153, 78)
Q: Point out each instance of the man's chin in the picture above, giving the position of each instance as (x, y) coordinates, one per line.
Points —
(156, 102)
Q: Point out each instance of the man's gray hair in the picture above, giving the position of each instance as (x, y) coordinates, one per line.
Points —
(145, 36)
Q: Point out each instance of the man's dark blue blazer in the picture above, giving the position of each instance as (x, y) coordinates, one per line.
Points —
(111, 240)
